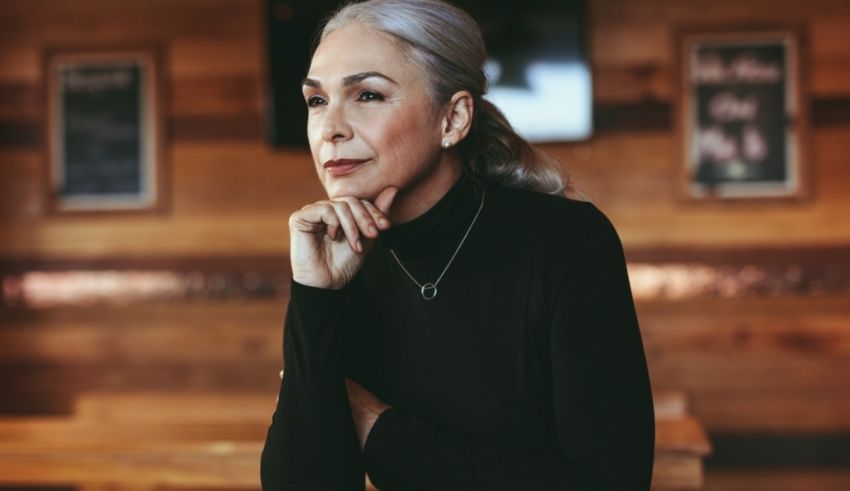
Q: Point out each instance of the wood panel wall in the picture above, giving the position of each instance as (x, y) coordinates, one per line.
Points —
(231, 193)
(775, 365)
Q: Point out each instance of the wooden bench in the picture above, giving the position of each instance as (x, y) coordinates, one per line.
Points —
(194, 441)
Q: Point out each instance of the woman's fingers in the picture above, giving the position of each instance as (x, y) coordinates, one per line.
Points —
(380, 220)
(354, 216)
(365, 221)
(323, 216)
(316, 217)
(348, 224)
(385, 199)
(374, 214)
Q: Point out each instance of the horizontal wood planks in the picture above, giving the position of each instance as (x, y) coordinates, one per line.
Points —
(754, 364)
(778, 480)
(146, 438)
(231, 194)
(775, 364)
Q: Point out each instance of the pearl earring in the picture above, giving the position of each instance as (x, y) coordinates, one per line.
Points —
(446, 144)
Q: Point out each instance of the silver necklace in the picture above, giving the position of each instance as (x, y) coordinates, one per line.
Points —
(429, 290)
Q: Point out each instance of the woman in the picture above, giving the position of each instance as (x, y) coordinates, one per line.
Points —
(455, 321)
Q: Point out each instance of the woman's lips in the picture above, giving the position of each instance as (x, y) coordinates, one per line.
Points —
(342, 166)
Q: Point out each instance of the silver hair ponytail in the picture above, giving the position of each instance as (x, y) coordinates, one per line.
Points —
(448, 48)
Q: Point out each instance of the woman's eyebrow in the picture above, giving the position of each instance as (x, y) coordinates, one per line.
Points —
(349, 80)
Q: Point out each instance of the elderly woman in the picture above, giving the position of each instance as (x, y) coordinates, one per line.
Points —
(457, 321)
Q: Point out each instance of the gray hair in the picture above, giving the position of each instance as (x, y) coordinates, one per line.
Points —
(448, 49)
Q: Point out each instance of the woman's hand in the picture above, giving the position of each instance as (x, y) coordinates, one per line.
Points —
(320, 257)
(365, 409)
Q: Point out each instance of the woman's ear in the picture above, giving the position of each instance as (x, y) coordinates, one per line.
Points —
(457, 118)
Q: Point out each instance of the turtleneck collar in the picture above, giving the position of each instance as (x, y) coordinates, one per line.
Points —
(441, 227)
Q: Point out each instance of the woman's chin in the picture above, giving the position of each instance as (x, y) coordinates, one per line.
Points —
(340, 189)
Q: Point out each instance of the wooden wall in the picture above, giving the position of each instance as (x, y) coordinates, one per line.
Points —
(215, 89)
(229, 192)
(754, 365)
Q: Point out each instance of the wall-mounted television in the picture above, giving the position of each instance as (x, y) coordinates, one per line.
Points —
(538, 70)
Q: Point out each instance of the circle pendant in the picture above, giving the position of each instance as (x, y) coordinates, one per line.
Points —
(429, 291)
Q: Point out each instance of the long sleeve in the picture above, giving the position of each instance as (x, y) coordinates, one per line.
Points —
(312, 442)
(601, 395)
(405, 453)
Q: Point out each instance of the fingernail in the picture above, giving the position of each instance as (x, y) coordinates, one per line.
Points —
(383, 221)
(359, 246)
(372, 230)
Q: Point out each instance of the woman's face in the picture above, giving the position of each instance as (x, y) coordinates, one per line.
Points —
(368, 105)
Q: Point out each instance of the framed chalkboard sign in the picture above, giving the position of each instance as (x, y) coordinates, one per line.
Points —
(104, 131)
(743, 125)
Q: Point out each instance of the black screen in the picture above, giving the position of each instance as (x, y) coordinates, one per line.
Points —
(537, 65)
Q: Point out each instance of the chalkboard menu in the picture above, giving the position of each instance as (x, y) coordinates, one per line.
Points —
(103, 131)
(743, 120)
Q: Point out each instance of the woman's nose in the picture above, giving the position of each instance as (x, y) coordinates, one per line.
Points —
(335, 126)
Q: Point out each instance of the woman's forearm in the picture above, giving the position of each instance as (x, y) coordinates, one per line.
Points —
(312, 443)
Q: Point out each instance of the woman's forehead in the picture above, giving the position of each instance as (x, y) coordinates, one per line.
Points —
(354, 49)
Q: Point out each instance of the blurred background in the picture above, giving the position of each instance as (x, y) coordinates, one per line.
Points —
(140, 333)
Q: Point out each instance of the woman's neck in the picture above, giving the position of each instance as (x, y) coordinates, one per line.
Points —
(437, 231)
(415, 200)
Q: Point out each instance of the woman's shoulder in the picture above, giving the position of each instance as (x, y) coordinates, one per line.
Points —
(562, 237)
(558, 215)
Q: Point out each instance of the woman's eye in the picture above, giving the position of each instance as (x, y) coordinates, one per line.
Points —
(368, 95)
(314, 101)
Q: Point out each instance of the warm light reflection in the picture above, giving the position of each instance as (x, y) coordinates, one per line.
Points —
(45, 289)
(41, 289)
(681, 281)
(649, 281)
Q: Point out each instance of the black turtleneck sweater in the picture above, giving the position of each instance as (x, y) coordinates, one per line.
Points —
(526, 372)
